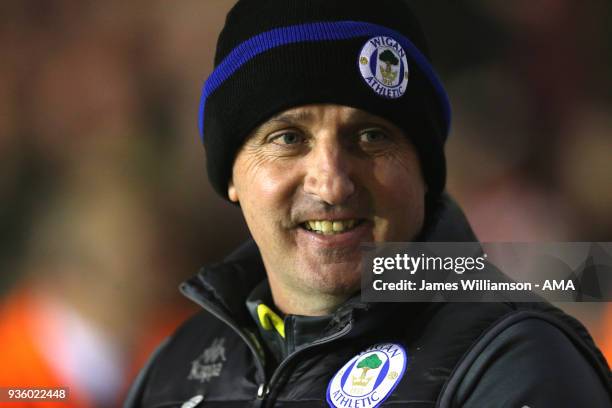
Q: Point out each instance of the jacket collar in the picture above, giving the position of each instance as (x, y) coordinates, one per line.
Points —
(228, 283)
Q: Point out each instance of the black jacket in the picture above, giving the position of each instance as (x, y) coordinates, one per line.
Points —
(458, 354)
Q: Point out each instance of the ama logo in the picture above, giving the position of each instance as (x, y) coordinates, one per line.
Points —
(368, 378)
(384, 66)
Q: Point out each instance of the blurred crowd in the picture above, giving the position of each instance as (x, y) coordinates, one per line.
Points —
(104, 203)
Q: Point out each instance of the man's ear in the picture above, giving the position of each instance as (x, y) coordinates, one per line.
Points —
(231, 192)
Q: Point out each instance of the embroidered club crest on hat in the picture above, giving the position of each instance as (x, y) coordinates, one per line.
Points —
(368, 378)
(384, 66)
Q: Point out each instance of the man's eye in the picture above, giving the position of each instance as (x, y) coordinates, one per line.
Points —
(287, 138)
(372, 136)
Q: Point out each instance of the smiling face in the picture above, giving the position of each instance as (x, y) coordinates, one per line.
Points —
(313, 183)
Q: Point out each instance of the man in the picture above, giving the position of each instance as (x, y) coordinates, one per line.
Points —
(325, 123)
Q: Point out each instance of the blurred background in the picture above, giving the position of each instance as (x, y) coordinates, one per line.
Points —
(104, 203)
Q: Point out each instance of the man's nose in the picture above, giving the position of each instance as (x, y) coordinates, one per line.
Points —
(329, 174)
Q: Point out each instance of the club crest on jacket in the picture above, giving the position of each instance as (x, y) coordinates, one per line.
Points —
(368, 378)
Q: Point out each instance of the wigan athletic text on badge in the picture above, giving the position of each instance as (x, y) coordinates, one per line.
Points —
(369, 378)
(384, 66)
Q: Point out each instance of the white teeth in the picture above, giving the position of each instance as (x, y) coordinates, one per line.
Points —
(328, 227)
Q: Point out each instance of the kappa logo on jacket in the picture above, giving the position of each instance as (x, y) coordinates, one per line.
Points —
(368, 378)
(210, 363)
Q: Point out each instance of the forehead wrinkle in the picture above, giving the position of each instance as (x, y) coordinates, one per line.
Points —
(308, 114)
(362, 117)
(292, 117)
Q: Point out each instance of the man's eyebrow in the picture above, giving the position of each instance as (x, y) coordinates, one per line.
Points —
(292, 117)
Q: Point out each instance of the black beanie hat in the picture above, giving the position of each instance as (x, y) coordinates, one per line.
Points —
(273, 55)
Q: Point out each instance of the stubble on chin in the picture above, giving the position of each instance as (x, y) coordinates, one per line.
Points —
(336, 271)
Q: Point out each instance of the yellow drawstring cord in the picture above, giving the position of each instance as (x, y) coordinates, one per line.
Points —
(268, 319)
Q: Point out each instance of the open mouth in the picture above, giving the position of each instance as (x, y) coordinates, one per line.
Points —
(331, 227)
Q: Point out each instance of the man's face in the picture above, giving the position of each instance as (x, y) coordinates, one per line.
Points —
(314, 182)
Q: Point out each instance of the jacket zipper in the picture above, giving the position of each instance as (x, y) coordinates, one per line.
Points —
(292, 356)
(264, 388)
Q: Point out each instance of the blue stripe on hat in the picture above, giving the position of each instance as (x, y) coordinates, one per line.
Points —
(312, 32)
